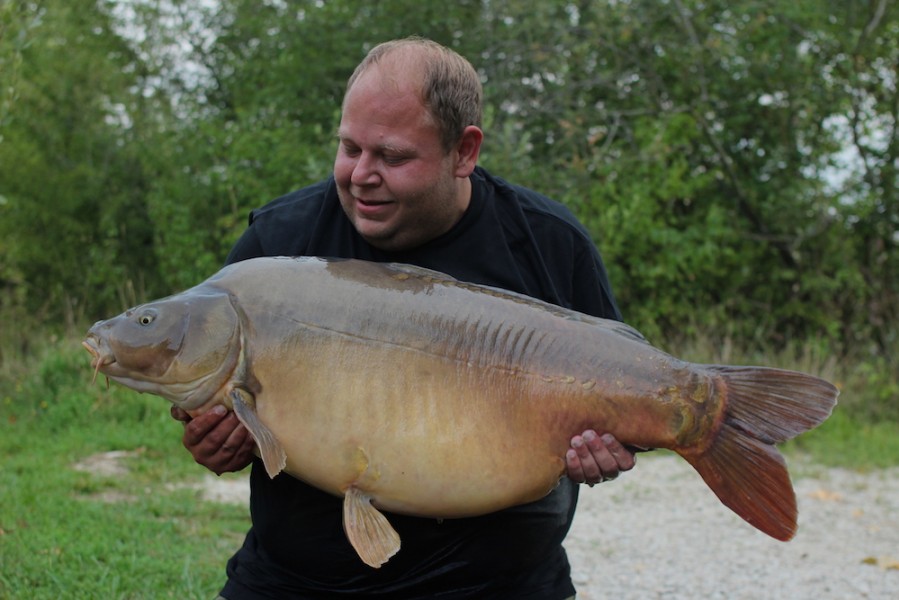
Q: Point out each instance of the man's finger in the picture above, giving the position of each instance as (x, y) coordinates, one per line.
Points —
(575, 470)
(607, 465)
(624, 459)
(207, 423)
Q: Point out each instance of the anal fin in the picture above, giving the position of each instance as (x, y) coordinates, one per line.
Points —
(270, 449)
(370, 533)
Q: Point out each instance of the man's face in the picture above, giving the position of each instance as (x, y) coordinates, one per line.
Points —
(395, 182)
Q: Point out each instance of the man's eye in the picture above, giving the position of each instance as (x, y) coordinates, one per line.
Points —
(395, 160)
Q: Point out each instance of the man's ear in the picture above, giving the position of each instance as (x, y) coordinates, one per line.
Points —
(467, 150)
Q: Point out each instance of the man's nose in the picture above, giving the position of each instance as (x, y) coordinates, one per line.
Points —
(365, 171)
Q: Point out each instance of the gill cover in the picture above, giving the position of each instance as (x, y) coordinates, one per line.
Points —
(183, 347)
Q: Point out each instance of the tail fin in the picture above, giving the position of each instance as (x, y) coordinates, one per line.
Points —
(763, 406)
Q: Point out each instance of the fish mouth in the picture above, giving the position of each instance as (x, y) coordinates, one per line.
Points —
(101, 355)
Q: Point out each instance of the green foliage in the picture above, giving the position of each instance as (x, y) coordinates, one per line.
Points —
(706, 146)
(850, 443)
(735, 163)
(15, 26)
(71, 179)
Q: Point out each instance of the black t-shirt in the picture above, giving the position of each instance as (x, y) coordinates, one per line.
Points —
(511, 238)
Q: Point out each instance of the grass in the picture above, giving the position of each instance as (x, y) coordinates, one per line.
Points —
(73, 534)
(844, 442)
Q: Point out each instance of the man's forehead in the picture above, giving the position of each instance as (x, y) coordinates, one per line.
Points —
(384, 113)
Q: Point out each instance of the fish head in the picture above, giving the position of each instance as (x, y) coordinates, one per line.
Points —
(184, 348)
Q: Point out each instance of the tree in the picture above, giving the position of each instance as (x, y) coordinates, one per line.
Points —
(703, 143)
(697, 140)
(259, 111)
(70, 173)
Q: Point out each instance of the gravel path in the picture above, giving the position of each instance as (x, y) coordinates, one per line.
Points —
(659, 533)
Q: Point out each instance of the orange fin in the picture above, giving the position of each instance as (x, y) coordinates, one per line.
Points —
(370, 533)
(775, 405)
(742, 466)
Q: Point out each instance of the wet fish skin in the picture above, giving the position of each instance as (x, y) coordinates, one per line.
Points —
(360, 378)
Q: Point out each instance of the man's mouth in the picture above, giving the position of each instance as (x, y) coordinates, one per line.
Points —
(371, 202)
(371, 208)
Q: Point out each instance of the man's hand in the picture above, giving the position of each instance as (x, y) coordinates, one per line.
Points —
(216, 439)
(593, 458)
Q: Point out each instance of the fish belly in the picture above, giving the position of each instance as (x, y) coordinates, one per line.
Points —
(420, 434)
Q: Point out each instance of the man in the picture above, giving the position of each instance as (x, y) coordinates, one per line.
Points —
(406, 188)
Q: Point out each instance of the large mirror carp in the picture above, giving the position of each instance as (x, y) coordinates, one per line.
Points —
(404, 390)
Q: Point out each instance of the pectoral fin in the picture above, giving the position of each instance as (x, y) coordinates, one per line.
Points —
(271, 451)
(368, 530)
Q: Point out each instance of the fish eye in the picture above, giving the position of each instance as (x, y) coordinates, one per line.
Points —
(146, 318)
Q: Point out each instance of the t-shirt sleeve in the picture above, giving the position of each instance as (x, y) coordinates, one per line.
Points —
(571, 258)
(247, 246)
(284, 226)
(591, 290)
